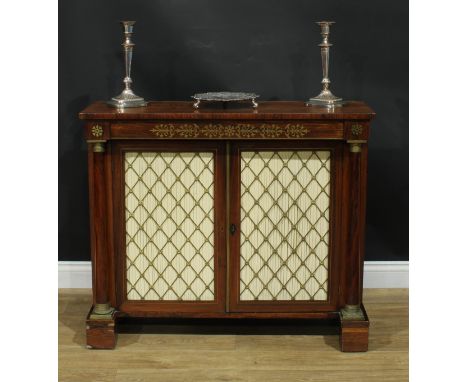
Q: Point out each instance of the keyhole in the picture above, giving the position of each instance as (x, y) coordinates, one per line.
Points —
(232, 229)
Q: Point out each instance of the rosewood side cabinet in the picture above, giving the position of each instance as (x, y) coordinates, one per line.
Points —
(227, 213)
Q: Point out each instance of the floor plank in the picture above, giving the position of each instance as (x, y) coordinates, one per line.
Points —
(273, 352)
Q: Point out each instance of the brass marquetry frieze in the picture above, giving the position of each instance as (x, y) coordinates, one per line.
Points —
(240, 130)
(296, 131)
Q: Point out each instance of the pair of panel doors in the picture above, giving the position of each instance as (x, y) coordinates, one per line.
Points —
(219, 226)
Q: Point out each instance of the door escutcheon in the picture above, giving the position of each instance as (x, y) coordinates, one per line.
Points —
(232, 229)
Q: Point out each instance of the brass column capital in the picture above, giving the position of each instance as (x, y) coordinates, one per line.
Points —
(98, 145)
(355, 145)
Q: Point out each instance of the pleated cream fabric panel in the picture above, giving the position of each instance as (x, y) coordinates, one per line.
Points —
(285, 201)
(169, 212)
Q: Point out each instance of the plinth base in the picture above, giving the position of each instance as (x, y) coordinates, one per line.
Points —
(354, 327)
(100, 333)
(354, 332)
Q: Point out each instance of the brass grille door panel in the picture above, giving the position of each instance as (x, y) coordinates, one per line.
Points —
(169, 226)
(284, 225)
(282, 253)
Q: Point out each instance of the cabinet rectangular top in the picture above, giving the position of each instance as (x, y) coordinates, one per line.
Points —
(267, 110)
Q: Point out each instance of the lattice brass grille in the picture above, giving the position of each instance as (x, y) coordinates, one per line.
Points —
(169, 212)
(285, 200)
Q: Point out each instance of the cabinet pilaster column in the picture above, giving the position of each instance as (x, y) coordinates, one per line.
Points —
(356, 170)
(102, 308)
(354, 332)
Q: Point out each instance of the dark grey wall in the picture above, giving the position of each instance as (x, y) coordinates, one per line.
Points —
(268, 47)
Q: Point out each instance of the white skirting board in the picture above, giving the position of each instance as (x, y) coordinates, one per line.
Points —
(377, 274)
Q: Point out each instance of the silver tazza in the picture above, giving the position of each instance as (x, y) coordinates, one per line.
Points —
(127, 98)
(224, 97)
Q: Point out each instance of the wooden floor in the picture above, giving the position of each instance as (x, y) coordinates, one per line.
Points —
(206, 351)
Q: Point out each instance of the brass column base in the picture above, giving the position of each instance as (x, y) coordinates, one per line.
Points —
(102, 312)
(352, 312)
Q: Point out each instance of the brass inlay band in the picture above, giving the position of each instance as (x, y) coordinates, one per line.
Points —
(240, 130)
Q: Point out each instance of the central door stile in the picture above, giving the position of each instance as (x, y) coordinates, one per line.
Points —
(233, 241)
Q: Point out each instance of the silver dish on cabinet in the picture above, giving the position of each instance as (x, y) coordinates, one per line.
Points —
(224, 97)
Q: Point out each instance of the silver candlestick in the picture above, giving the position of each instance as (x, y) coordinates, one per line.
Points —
(127, 98)
(325, 98)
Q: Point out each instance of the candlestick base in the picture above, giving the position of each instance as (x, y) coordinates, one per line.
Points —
(325, 98)
(127, 99)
